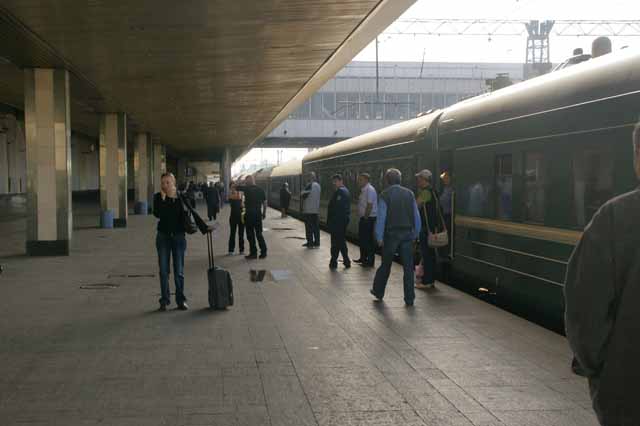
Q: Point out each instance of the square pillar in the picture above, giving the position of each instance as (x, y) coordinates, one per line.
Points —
(48, 154)
(226, 169)
(142, 169)
(113, 168)
(181, 173)
(159, 165)
(4, 164)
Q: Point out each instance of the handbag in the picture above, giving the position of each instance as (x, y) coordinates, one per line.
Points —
(436, 239)
(187, 218)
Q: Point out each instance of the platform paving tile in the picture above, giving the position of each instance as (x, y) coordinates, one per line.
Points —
(530, 397)
(371, 418)
(308, 348)
(575, 417)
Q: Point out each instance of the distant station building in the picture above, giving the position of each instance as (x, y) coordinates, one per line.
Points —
(356, 102)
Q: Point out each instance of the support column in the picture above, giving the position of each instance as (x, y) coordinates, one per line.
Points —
(4, 164)
(181, 173)
(113, 168)
(159, 165)
(48, 153)
(226, 169)
(142, 169)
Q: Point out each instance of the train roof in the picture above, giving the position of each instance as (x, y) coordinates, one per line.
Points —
(263, 173)
(401, 132)
(290, 168)
(608, 76)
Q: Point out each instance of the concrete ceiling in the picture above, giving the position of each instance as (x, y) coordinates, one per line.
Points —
(199, 74)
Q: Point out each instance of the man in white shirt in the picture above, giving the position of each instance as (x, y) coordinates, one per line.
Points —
(311, 210)
(367, 212)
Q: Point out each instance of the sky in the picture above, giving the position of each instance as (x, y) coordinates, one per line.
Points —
(498, 49)
(480, 48)
(257, 155)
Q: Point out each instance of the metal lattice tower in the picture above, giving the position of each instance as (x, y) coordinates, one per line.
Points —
(538, 42)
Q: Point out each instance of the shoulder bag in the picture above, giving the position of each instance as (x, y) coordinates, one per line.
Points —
(187, 218)
(436, 239)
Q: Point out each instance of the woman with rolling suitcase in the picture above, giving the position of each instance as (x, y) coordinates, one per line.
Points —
(171, 243)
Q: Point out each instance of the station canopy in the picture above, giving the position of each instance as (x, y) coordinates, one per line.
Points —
(198, 75)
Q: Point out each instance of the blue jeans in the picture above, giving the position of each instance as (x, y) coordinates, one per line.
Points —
(171, 246)
(404, 247)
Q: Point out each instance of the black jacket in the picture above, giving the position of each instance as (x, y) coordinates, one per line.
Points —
(171, 213)
(339, 210)
(602, 295)
(212, 196)
(285, 198)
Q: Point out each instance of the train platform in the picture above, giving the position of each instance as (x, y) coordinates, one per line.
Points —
(81, 342)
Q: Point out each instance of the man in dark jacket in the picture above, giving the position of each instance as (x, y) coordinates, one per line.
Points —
(212, 196)
(255, 203)
(602, 295)
(338, 215)
(285, 198)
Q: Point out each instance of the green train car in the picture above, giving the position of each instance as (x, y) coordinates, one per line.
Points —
(531, 164)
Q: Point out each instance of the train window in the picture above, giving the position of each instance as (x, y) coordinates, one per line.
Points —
(504, 186)
(534, 180)
(592, 183)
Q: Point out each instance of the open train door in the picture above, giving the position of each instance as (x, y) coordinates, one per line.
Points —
(445, 171)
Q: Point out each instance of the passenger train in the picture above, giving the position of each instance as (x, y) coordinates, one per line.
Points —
(531, 163)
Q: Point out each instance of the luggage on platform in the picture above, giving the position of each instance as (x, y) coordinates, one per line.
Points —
(220, 283)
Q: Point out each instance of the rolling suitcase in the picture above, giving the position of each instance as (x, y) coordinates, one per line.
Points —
(220, 284)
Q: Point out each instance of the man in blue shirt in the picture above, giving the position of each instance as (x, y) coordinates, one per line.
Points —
(397, 227)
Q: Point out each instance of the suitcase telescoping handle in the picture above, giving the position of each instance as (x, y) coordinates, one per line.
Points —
(210, 249)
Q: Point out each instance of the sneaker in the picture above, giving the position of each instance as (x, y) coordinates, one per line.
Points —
(333, 265)
(307, 245)
(183, 306)
(347, 264)
(262, 255)
(230, 253)
(241, 251)
(162, 307)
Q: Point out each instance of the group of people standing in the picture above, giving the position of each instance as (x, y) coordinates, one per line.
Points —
(393, 220)
(601, 323)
